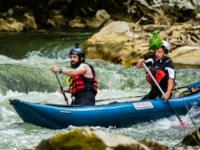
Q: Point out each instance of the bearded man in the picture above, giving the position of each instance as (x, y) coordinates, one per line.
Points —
(83, 83)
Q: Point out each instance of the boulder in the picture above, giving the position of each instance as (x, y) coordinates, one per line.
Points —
(113, 43)
(100, 18)
(88, 139)
(11, 24)
(56, 19)
(192, 139)
(17, 19)
(77, 23)
(30, 21)
(186, 55)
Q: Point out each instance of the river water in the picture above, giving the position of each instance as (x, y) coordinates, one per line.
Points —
(25, 59)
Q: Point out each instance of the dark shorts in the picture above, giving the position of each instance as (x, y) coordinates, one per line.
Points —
(155, 92)
(84, 98)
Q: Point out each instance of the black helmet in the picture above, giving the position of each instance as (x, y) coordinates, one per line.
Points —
(77, 51)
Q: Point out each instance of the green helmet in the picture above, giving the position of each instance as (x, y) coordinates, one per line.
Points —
(155, 42)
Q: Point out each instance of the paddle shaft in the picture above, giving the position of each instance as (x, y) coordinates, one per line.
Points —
(172, 109)
(61, 88)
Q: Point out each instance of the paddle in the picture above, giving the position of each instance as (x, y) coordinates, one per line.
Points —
(61, 88)
(183, 123)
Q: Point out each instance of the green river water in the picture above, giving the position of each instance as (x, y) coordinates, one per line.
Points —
(25, 59)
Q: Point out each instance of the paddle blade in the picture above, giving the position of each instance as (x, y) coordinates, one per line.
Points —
(184, 124)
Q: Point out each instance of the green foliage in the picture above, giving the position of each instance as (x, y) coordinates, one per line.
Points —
(155, 42)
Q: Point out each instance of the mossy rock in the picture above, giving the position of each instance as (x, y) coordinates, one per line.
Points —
(75, 140)
(155, 146)
(192, 139)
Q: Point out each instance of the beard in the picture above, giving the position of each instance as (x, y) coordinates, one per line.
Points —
(75, 65)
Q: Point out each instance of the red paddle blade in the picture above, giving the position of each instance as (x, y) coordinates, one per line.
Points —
(184, 124)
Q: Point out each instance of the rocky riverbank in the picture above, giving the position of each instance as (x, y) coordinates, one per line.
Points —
(20, 15)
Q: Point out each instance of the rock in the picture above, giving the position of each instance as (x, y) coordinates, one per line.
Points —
(157, 146)
(188, 148)
(186, 55)
(197, 17)
(167, 12)
(112, 43)
(89, 139)
(97, 21)
(77, 23)
(11, 25)
(17, 19)
(153, 27)
(30, 21)
(119, 42)
(100, 18)
(56, 19)
(154, 145)
(192, 139)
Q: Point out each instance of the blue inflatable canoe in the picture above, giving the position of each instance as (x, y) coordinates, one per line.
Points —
(116, 114)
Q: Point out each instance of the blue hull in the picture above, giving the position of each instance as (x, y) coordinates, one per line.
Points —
(117, 114)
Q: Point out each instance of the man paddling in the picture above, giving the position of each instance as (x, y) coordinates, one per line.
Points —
(161, 67)
(83, 84)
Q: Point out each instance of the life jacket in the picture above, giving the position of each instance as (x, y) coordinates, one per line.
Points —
(158, 71)
(80, 83)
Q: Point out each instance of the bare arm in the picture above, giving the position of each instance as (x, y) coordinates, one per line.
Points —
(169, 89)
(170, 85)
(170, 82)
(79, 71)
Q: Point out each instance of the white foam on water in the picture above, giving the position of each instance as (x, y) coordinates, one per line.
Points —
(167, 123)
(34, 59)
(23, 137)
